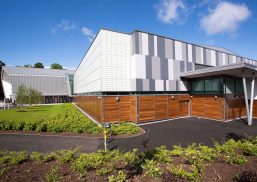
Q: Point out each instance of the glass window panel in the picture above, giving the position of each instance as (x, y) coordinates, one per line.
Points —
(198, 86)
(230, 86)
(239, 86)
(215, 85)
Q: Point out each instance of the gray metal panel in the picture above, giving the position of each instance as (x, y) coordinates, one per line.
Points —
(156, 69)
(164, 69)
(184, 52)
(146, 85)
(193, 54)
(139, 85)
(169, 49)
(161, 47)
(198, 55)
(152, 84)
(140, 43)
(208, 56)
(182, 66)
(151, 45)
(148, 67)
(204, 56)
(135, 43)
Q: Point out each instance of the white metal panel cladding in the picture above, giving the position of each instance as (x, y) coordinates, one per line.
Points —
(142, 61)
(48, 85)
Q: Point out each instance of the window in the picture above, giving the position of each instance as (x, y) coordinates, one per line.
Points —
(208, 86)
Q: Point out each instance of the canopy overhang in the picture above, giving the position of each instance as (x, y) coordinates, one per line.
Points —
(230, 70)
(242, 70)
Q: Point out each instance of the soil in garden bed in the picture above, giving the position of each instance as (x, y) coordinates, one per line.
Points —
(220, 171)
(35, 171)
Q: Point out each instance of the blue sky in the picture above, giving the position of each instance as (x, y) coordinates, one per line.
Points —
(61, 31)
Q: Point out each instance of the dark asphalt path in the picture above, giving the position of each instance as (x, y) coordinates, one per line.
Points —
(180, 131)
(38, 143)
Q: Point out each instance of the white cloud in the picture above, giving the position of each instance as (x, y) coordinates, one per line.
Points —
(225, 18)
(169, 11)
(88, 33)
(65, 25)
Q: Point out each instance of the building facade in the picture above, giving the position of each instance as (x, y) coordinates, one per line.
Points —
(144, 77)
(55, 85)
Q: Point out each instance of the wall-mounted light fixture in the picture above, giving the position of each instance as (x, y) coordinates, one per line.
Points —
(191, 96)
(215, 97)
(172, 97)
(99, 97)
(117, 99)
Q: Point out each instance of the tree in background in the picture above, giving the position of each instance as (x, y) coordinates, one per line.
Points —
(28, 66)
(2, 63)
(34, 96)
(22, 97)
(56, 66)
(38, 65)
(27, 96)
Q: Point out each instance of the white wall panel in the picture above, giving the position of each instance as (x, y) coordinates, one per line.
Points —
(190, 52)
(213, 58)
(159, 85)
(178, 50)
(145, 50)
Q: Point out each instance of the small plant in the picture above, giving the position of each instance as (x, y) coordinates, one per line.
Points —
(120, 177)
(177, 171)
(37, 156)
(65, 156)
(124, 128)
(151, 169)
(131, 157)
(177, 150)
(14, 157)
(104, 171)
(52, 175)
(162, 154)
(234, 158)
(49, 157)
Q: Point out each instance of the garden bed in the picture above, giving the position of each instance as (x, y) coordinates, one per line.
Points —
(65, 119)
(231, 161)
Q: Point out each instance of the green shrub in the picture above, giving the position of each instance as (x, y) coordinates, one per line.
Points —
(104, 171)
(163, 155)
(177, 150)
(36, 156)
(124, 128)
(18, 125)
(52, 175)
(178, 171)
(49, 157)
(234, 158)
(41, 126)
(14, 157)
(90, 161)
(131, 157)
(120, 177)
(30, 126)
(65, 156)
(207, 153)
(151, 169)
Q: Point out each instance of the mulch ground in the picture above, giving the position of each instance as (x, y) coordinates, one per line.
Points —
(35, 171)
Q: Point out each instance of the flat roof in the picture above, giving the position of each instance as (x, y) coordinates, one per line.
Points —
(230, 70)
(13, 70)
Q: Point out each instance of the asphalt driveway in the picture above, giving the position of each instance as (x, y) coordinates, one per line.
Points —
(174, 132)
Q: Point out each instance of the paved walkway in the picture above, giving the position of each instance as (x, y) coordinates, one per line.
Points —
(180, 131)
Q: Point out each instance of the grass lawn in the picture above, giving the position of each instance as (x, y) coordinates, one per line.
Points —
(34, 113)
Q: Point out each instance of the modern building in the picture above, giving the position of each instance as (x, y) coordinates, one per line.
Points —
(56, 86)
(142, 77)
